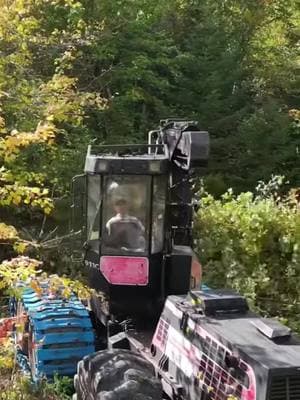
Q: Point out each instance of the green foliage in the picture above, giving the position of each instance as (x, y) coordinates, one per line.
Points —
(230, 64)
(16, 386)
(252, 244)
(76, 71)
(62, 387)
(109, 71)
(28, 270)
(21, 388)
(7, 358)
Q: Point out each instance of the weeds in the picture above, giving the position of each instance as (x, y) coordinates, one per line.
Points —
(15, 386)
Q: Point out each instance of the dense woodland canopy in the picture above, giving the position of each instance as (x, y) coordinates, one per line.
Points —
(75, 72)
(107, 71)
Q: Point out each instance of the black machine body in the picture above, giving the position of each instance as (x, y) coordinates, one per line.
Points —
(134, 208)
(215, 348)
(138, 217)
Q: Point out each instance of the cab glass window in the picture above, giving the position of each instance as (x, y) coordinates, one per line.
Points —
(125, 215)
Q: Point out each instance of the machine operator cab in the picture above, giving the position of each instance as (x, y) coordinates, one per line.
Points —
(120, 214)
(137, 231)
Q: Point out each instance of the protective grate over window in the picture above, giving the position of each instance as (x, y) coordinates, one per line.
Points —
(285, 388)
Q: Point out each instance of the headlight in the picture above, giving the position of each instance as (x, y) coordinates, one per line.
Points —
(102, 166)
(154, 166)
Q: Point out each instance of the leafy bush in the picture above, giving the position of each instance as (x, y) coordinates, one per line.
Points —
(15, 386)
(21, 388)
(25, 269)
(252, 244)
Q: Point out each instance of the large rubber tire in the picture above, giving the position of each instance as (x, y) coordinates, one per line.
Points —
(116, 375)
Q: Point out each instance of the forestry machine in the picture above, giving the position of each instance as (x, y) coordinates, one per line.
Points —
(151, 330)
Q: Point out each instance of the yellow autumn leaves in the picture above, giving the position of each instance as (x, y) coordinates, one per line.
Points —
(24, 195)
(7, 232)
(16, 270)
(2, 123)
(23, 271)
(11, 144)
(15, 189)
(13, 193)
(9, 235)
(24, 178)
(17, 195)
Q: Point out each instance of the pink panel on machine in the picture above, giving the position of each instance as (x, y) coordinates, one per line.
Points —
(125, 270)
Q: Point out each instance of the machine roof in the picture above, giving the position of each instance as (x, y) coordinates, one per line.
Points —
(242, 333)
(240, 329)
(132, 159)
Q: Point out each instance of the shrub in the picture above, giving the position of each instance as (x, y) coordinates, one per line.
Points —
(252, 244)
(15, 386)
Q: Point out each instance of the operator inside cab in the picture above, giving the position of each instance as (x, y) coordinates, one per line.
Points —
(124, 231)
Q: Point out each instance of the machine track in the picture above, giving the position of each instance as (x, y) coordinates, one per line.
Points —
(116, 375)
(58, 333)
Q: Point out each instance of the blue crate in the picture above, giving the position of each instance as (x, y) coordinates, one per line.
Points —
(61, 333)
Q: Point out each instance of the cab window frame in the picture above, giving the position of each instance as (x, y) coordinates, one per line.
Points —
(94, 219)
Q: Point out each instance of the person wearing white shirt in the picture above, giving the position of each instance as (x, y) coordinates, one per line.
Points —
(123, 230)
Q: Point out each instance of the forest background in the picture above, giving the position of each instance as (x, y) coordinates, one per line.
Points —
(79, 72)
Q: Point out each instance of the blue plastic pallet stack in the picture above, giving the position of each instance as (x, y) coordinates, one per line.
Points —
(62, 333)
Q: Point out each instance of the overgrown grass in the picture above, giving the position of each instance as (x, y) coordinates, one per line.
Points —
(19, 387)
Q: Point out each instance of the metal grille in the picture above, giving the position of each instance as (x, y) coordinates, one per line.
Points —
(285, 388)
(218, 379)
(214, 374)
(162, 331)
